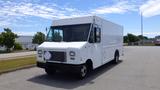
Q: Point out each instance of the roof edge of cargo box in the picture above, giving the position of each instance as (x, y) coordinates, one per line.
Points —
(81, 20)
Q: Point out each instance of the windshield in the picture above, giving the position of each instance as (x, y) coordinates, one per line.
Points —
(69, 33)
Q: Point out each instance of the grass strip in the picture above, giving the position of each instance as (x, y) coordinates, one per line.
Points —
(18, 63)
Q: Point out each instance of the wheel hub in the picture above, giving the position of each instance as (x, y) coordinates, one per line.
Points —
(83, 71)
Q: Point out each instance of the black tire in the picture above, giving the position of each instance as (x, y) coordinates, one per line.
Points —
(83, 71)
(116, 58)
(50, 71)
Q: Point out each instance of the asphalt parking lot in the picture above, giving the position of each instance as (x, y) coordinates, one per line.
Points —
(139, 69)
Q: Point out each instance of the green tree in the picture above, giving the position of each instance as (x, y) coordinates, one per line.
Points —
(125, 39)
(132, 38)
(17, 46)
(38, 38)
(1, 40)
(8, 38)
(142, 37)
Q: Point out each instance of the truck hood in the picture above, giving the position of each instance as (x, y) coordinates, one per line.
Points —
(62, 45)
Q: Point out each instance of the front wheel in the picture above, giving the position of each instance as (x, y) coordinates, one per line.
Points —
(83, 71)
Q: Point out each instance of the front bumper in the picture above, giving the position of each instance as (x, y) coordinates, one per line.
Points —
(60, 66)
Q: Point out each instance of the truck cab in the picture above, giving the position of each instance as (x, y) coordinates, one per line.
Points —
(75, 45)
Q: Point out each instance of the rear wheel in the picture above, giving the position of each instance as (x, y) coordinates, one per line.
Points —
(83, 71)
(50, 71)
(116, 58)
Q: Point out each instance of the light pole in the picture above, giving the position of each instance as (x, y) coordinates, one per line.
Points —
(142, 27)
(46, 31)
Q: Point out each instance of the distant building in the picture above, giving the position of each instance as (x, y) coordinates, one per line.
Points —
(2, 48)
(148, 42)
(145, 42)
(26, 42)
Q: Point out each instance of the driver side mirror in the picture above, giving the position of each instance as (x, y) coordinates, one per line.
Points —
(95, 35)
(91, 38)
(97, 32)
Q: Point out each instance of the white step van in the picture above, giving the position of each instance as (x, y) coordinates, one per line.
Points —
(80, 44)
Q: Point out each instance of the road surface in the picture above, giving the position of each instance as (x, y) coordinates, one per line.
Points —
(15, 55)
(139, 69)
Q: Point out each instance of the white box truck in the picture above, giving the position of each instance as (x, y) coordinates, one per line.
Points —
(80, 45)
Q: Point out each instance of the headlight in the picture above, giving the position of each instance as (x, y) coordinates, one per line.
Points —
(72, 53)
(39, 53)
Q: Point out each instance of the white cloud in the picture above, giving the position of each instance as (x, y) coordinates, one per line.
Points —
(43, 11)
(120, 7)
(16, 11)
(148, 34)
(28, 9)
(49, 12)
(12, 11)
(150, 8)
(4, 23)
(152, 33)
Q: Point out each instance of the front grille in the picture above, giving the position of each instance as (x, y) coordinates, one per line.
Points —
(58, 56)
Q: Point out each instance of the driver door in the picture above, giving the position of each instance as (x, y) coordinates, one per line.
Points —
(95, 41)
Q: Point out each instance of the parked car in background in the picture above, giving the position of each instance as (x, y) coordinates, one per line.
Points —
(157, 40)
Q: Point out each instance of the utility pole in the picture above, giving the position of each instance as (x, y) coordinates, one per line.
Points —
(46, 31)
(142, 27)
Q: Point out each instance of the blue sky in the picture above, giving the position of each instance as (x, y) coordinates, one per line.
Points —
(26, 17)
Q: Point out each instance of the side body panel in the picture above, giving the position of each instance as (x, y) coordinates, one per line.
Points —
(112, 40)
